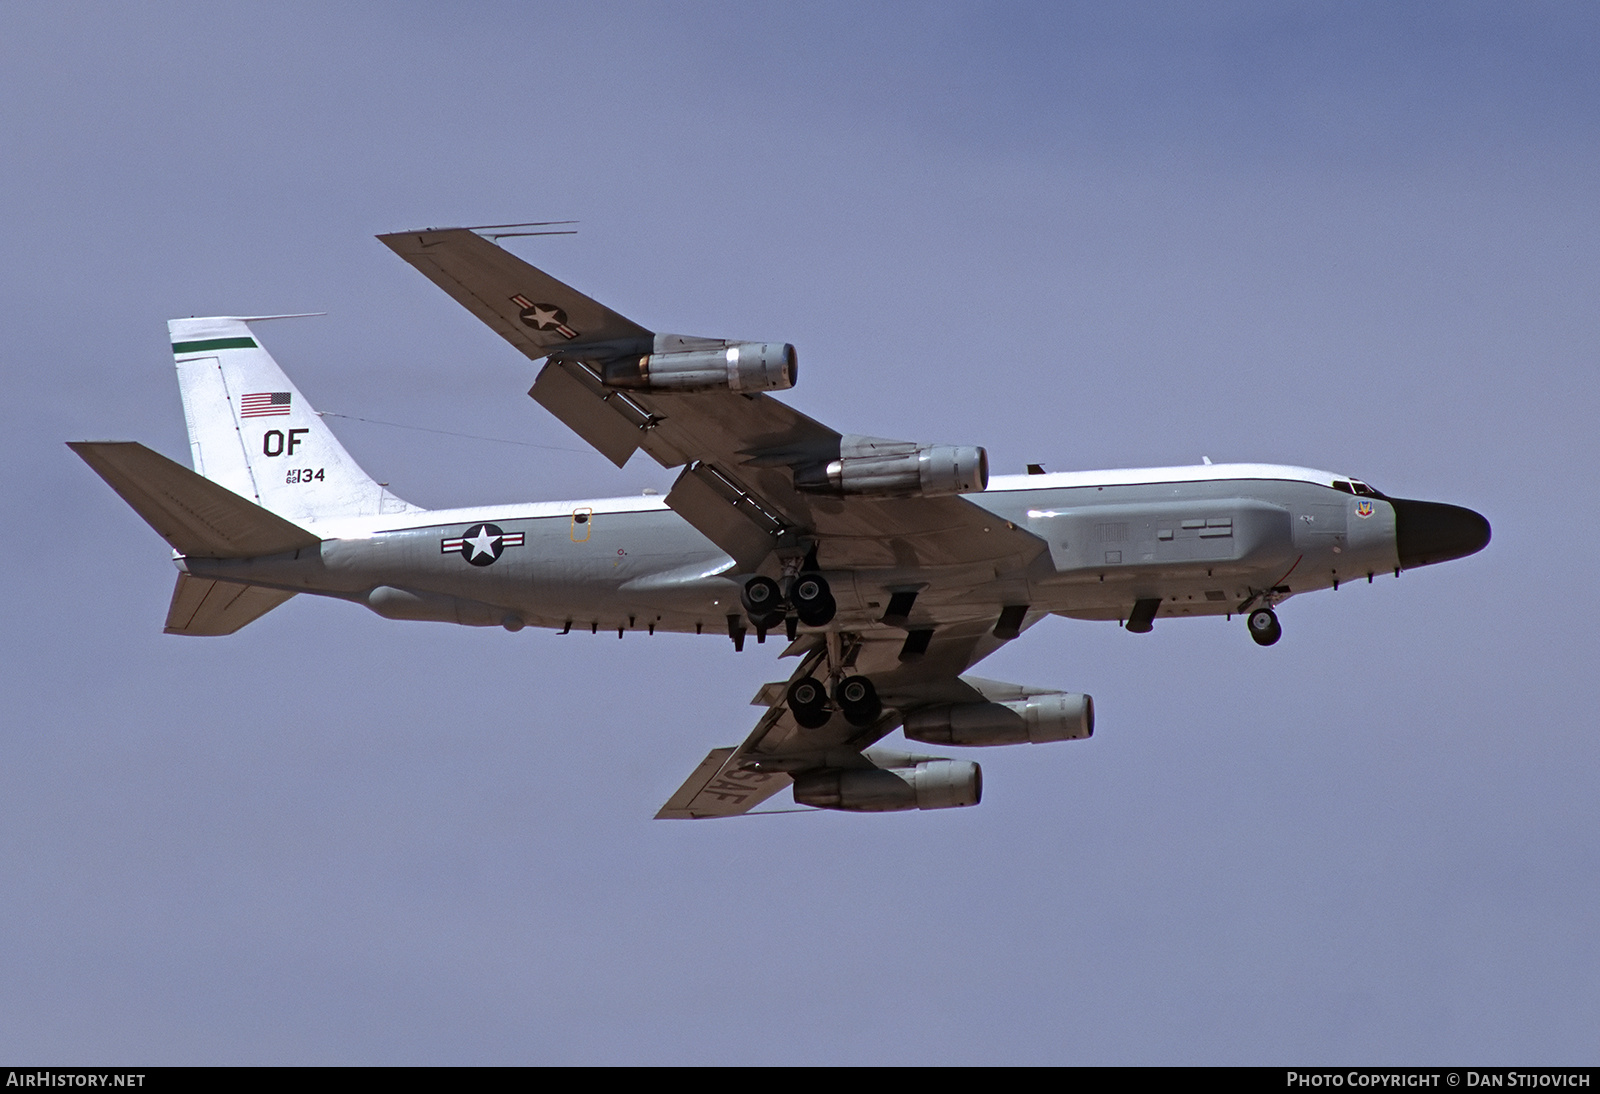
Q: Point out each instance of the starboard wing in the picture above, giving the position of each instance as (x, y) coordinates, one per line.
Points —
(731, 781)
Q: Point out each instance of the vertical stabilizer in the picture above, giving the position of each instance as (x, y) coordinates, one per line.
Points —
(251, 430)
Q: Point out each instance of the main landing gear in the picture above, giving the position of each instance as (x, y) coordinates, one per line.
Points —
(854, 697)
(858, 700)
(809, 598)
(808, 702)
(813, 600)
(1264, 626)
(805, 598)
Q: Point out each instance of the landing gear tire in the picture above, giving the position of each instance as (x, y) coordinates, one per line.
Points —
(808, 702)
(761, 598)
(1264, 626)
(858, 701)
(813, 601)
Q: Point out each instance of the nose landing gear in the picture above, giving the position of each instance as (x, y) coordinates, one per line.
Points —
(1264, 626)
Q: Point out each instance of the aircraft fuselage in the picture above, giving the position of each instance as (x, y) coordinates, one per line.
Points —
(1200, 540)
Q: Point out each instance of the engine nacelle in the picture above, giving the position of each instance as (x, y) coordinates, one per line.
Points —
(870, 466)
(931, 784)
(742, 366)
(1054, 716)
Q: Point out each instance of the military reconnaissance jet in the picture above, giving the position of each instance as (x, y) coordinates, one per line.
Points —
(890, 567)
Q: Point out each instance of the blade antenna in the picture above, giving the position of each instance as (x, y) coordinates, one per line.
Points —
(488, 230)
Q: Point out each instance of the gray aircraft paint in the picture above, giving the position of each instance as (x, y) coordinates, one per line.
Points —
(650, 567)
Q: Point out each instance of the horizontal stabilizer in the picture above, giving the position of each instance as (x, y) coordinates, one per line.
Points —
(194, 514)
(202, 606)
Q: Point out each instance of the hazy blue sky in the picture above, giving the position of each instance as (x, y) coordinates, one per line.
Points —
(1355, 236)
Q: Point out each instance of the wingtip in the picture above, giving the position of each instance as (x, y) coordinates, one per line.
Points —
(392, 240)
(489, 231)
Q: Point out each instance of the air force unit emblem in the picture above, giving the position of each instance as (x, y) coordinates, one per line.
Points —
(543, 317)
(482, 544)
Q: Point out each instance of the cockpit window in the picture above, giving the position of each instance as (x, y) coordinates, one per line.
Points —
(1356, 487)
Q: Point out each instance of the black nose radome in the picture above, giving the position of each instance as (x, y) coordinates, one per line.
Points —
(1430, 531)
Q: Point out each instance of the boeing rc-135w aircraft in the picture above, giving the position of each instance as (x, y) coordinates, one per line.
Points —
(890, 567)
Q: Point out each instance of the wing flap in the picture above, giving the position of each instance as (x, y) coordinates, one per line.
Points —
(724, 515)
(206, 607)
(561, 391)
(197, 516)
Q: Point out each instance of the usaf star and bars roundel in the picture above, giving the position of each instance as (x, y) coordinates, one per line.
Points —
(482, 544)
(543, 317)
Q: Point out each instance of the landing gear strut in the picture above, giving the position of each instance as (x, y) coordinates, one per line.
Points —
(1264, 626)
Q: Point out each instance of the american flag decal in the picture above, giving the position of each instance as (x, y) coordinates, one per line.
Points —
(264, 404)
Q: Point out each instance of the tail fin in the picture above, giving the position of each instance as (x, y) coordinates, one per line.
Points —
(251, 430)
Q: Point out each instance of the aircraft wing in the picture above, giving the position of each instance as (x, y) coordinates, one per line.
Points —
(738, 450)
(741, 453)
(731, 781)
(525, 306)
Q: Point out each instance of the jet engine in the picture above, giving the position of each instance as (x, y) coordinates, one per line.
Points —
(1036, 719)
(931, 784)
(742, 366)
(867, 465)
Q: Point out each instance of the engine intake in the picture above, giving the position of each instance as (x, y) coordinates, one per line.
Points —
(741, 366)
(867, 465)
(1037, 719)
(931, 784)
